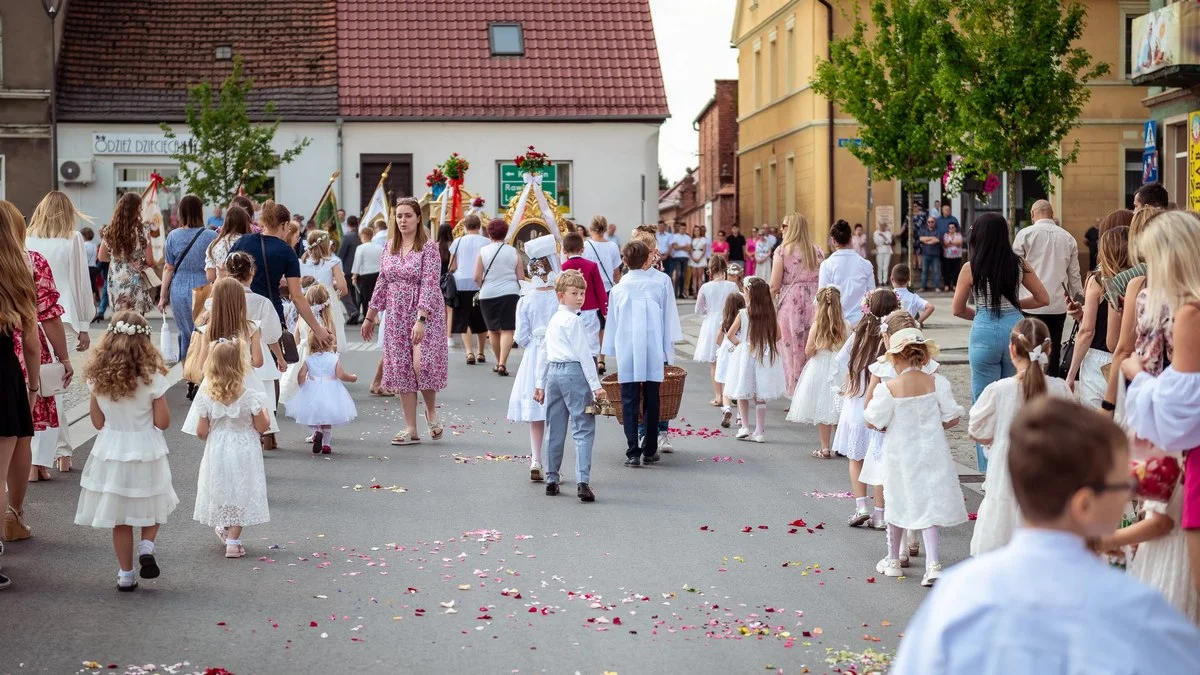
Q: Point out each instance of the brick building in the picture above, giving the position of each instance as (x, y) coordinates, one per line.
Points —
(707, 196)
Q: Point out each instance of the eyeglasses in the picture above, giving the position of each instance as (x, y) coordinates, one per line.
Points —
(1128, 486)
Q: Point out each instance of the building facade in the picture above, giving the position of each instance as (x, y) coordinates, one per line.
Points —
(26, 173)
(707, 195)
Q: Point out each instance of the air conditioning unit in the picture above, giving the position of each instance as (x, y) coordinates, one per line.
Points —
(76, 170)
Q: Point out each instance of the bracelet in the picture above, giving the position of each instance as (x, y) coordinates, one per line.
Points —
(1108, 405)
(369, 319)
(33, 389)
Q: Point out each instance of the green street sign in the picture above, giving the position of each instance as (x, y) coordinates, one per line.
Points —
(512, 182)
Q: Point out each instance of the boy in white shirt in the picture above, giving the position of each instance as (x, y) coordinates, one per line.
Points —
(365, 271)
(566, 383)
(918, 307)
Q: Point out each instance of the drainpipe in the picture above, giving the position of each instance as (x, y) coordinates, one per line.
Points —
(832, 140)
(341, 194)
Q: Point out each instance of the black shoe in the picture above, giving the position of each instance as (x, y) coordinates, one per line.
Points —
(191, 391)
(149, 566)
(585, 493)
(652, 459)
(5, 582)
(317, 438)
(551, 489)
(127, 589)
(633, 461)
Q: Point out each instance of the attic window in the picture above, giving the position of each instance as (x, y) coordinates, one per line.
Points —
(223, 53)
(506, 39)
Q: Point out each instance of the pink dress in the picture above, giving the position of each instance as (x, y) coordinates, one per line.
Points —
(406, 284)
(796, 303)
(750, 245)
(719, 247)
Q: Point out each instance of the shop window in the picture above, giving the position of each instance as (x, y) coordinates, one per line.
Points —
(1133, 174)
(137, 178)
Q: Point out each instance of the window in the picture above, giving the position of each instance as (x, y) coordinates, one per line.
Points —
(772, 70)
(1133, 174)
(790, 55)
(758, 77)
(789, 189)
(772, 190)
(506, 39)
(758, 197)
(1129, 12)
(136, 178)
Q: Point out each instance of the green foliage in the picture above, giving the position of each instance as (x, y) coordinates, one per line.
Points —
(225, 141)
(663, 183)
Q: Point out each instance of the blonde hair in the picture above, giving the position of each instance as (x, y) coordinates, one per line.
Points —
(910, 354)
(1170, 247)
(899, 320)
(228, 318)
(318, 296)
(599, 224)
(1141, 218)
(569, 279)
(18, 298)
(1028, 335)
(121, 363)
(829, 326)
(55, 217)
(225, 371)
(796, 234)
(320, 247)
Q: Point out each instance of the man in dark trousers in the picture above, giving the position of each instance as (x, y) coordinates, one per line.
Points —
(350, 242)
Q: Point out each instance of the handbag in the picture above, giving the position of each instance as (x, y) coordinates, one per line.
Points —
(450, 285)
(475, 298)
(199, 297)
(1068, 353)
(287, 341)
(193, 367)
(50, 380)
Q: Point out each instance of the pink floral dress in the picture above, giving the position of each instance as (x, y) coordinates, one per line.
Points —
(408, 283)
(45, 412)
(795, 311)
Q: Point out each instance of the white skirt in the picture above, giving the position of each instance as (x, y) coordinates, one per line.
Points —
(752, 379)
(126, 481)
(231, 489)
(872, 472)
(1163, 564)
(322, 402)
(1091, 383)
(709, 339)
(339, 319)
(723, 359)
(816, 400)
(521, 406)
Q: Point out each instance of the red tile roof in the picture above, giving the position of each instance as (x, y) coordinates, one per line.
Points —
(590, 59)
(126, 60)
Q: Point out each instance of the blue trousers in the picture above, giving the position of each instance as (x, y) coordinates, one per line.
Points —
(931, 270)
(640, 397)
(987, 352)
(567, 394)
(103, 291)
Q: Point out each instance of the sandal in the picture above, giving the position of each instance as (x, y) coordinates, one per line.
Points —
(480, 358)
(601, 368)
(823, 453)
(435, 429)
(63, 464)
(470, 359)
(502, 371)
(716, 403)
(380, 392)
(403, 438)
(15, 528)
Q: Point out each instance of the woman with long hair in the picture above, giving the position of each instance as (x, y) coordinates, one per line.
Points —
(794, 275)
(1122, 294)
(18, 391)
(125, 245)
(993, 278)
(236, 225)
(183, 271)
(409, 292)
(1091, 352)
(445, 237)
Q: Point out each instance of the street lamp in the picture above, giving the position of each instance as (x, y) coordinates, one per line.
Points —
(52, 8)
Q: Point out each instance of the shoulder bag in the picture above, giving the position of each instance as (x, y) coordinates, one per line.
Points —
(287, 341)
(150, 278)
(450, 285)
(199, 295)
(600, 264)
(475, 298)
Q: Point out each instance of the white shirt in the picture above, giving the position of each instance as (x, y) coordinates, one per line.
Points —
(853, 275)
(614, 238)
(366, 258)
(1053, 254)
(380, 237)
(501, 279)
(684, 240)
(1045, 604)
(771, 241)
(90, 248)
(607, 255)
(69, 265)
(465, 250)
(643, 324)
(567, 342)
(911, 302)
(883, 239)
(1162, 409)
(664, 241)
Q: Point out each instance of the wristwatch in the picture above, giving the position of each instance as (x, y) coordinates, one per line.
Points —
(422, 319)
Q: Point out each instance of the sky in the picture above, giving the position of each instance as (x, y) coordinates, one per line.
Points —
(693, 47)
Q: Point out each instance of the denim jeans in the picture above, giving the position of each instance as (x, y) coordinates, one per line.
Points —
(931, 270)
(987, 352)
(103, 291)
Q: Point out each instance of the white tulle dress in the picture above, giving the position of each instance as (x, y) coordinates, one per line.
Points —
(127, 479)
(232, 486)
(323, 273)
(991, 417)
(534, 311)
(872, 468)
(815, 399)
(710, 303)
(753, 378)
(322, 399)
(1163, 563)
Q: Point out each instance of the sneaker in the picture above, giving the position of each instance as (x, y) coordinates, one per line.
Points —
(148, 566)
(535, 473)
(551, 489)
(633, 461)
(726, 418)
(932, 572)
(664, 443)
(584, 493)
(742, 434)
(876, 524)
(126, 587)
(234, 551)
(893, 568)
(881, 566)
(857, 518)
(651, 459)
(757, 438)
(222, 533)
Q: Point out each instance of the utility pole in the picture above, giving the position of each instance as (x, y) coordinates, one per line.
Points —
(52, 8)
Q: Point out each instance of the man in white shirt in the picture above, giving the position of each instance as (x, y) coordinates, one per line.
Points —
(467, 319)
(364, 273)
(1045, 603)
(566, 383)
(851, 273)
(681, 249)
(1053, 254)
(772, 240)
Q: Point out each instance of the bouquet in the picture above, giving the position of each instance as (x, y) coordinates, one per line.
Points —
(477, 203)
(436, 178)
(532, 162)
(1155, 477)
(456, 167)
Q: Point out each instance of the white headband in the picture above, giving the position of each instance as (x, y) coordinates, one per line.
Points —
(221, 341)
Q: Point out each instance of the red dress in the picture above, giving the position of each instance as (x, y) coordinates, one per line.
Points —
(597, 297)
(45, 412)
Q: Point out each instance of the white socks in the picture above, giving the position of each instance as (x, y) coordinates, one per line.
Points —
(860, 504)
(145, 547)
(125, 578)
(760, 418)
(233, 542)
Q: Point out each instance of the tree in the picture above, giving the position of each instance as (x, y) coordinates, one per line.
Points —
(663, 183)
(225, 143)
(883, 75)
(1018, 85)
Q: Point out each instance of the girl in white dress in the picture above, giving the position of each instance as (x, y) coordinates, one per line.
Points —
(815, 400)
(756, 366)
(734, 304)
(991, 416)
(914, 410)
(854, 439)
(709, 301)
(231, 492)
(322, 264)
(126, 482)
(322, 401)
(537, 305)
(289, 384)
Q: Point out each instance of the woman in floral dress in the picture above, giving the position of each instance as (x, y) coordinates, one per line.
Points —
(125, 245)
(794, 285)
(416, 358)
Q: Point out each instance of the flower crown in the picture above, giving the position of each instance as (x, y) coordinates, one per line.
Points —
(221, 341)
(125, 328)
(865, 305)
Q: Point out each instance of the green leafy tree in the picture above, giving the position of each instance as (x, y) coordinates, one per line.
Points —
(225, 142)
(663, 183)
(882, 73)
(1018, 83)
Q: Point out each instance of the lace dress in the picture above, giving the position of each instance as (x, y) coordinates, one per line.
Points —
(232, 486)
(534, 311)
(1163, 563)
(797, 299)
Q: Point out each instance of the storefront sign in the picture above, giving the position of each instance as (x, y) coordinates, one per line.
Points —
(151, 144)
(512, 182)
(1194, 160)
(1164, 38)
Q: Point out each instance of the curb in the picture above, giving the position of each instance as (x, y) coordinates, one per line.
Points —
(79, 423)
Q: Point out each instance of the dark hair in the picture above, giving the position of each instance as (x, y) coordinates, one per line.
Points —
(901, 274)
(352, 221)
(867, 344)
(471, 223)
(635, 254)
(572, 243)
(496, 229)
(717, 265)
(236, 223)
(1027, 335)
(857, 226)
(1153, 194)
(244, 202)
(445, 235)
(240, 265)
(995, 268)
(87, 233)
(840, 232)
(191, 211)
(1057, 447)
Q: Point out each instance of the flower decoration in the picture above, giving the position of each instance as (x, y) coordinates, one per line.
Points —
(478, 202)
(436, 178)
(532, 161)
(126, 328)
(865, 305)
(959, 171)
(455, 168)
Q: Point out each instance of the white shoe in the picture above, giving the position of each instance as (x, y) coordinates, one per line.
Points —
(664, 443)
(932, 572)
(742, 434)
(758, 438)
(535, 473)
(858, 518)
(726, 418)
(893, 568)
(877, 524)
(881, 566)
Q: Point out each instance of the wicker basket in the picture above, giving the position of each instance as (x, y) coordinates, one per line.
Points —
(670, 394)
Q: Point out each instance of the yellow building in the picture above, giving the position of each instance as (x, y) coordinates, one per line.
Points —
(789, 157)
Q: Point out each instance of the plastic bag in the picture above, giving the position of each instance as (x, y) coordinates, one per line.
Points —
(168, 343)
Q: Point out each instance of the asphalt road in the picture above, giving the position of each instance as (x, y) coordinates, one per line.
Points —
(368, 547)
